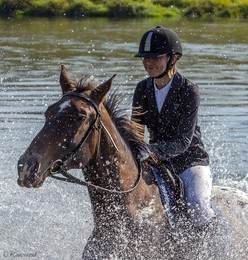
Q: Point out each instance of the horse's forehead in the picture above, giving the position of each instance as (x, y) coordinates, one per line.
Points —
(64, 105)
(75, 104)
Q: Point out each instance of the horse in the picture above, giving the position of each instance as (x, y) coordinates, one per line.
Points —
(86, 129)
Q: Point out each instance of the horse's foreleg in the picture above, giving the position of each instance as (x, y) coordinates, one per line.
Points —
(108, 244)
(101, 245)
(93, 249)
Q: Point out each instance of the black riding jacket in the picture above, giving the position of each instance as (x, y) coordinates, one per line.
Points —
(174, 134)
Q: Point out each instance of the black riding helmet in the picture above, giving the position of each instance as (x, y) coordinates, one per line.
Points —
(157, 42)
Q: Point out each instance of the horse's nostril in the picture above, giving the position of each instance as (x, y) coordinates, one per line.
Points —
(27, 170)
(20, 165)
(20, 182)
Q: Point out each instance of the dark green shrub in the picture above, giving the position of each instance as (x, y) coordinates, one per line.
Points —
(47, 7)
(80, 8)
(11, 7)
(145, 8)
(126, 9)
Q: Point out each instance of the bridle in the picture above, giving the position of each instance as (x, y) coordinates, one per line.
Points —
(58, 166)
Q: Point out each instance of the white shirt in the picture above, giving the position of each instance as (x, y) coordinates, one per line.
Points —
(161, 94)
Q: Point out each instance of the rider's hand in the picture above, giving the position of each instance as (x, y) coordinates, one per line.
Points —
(143, 152)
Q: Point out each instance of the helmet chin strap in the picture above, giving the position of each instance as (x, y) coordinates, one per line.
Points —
(161, 75)
(168, 68)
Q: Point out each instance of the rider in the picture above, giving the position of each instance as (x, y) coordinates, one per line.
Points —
(169, 104)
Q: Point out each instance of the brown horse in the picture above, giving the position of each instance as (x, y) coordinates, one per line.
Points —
(83, 130)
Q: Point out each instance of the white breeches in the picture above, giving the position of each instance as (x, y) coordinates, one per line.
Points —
(197, 182)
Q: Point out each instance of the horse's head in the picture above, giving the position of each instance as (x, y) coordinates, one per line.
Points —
(68, 124)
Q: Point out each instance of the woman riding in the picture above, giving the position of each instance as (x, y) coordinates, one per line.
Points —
(167, 104)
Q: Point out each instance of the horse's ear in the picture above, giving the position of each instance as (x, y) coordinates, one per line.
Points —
(100, 92)
(66, 83)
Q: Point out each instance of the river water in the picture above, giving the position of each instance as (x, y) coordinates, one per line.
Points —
(54, 222)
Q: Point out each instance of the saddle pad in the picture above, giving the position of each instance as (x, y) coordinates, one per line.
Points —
(168, 198)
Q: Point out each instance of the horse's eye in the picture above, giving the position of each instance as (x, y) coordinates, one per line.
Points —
(81, 118)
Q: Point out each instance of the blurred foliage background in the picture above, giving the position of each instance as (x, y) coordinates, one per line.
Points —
(125, 8)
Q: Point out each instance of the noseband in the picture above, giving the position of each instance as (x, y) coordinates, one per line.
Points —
(58, 166)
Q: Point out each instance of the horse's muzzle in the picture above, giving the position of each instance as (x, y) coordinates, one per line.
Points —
(28, 173)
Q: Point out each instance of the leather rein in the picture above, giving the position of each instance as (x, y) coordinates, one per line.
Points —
(58, 166)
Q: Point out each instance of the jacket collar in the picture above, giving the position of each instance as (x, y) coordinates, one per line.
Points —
(172, 94)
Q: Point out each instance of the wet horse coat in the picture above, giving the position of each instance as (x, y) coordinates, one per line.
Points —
(83, 131)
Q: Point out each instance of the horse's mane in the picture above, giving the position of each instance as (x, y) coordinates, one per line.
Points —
(131, 131)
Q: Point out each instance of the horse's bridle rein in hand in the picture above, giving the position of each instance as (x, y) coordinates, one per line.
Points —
(58, 166)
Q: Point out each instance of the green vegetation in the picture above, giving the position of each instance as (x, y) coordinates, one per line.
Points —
(126, 8)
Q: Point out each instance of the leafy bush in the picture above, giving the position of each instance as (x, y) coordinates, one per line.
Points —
(10, 7)
(47, 7)
(126, 8)
(198, 8)
(79, 8)
(130, 8)
(241, 10)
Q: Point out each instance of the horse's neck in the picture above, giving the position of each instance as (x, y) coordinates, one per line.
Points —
(115, 165)
(116, 169)
(113, 169)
